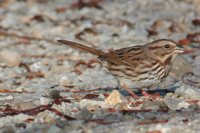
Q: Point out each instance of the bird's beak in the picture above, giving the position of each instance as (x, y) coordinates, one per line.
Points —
(179, 50)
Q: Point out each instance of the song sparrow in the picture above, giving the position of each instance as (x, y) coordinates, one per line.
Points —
(138, 66)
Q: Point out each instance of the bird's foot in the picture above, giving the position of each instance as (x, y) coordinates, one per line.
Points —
(152, 96)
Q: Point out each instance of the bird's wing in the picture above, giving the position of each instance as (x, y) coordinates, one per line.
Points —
(129, 56)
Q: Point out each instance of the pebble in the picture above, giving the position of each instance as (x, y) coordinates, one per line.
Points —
(46, 117)
(101, 97)
(63, 81)
(10, 58)
(41, 66)
(114, 98)
(175, 103)
(153, 105)
(21, 105)
(45, 100)
(88, 103)
(84, 114)
(188, 91)
(77, 97)
(7, 98)
(52, 94)
(22, 88)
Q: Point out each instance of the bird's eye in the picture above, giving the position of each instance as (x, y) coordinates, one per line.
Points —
(166, 46)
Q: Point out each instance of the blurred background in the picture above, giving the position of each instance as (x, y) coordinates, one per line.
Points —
(31, 61)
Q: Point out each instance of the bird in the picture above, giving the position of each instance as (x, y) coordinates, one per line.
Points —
(140, 66)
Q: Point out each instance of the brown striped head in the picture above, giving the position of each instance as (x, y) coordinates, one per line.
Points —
(162, 50)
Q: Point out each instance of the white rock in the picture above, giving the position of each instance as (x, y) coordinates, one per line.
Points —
(87, 102)
(22, 88)
(63, 81)
(20, 105)
(183, 104)
(46, 116)
(6, 97)
(21, 117)
(45, 101)
(188, 91)
(84, 114)
(175, 103)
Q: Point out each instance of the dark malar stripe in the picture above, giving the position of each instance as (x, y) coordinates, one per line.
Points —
(167, 70)
(154, 47)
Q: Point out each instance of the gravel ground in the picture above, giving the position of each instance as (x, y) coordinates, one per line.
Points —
(49, 87)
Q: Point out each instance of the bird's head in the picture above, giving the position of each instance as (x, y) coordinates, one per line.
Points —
(164, 50)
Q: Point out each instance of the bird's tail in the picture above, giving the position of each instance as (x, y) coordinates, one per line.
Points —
(82, 47)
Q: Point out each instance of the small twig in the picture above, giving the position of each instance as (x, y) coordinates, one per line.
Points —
(34, 111)
(152, 122)
(4, 33)
(91, 3)
(81, 91)
(142, 111)
(14, 91)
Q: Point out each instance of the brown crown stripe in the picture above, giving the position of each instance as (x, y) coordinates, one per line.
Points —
(154, 47)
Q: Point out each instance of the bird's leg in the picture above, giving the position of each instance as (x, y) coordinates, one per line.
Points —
(126, 88)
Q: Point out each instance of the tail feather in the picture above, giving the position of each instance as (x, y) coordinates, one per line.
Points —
(82, 47)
